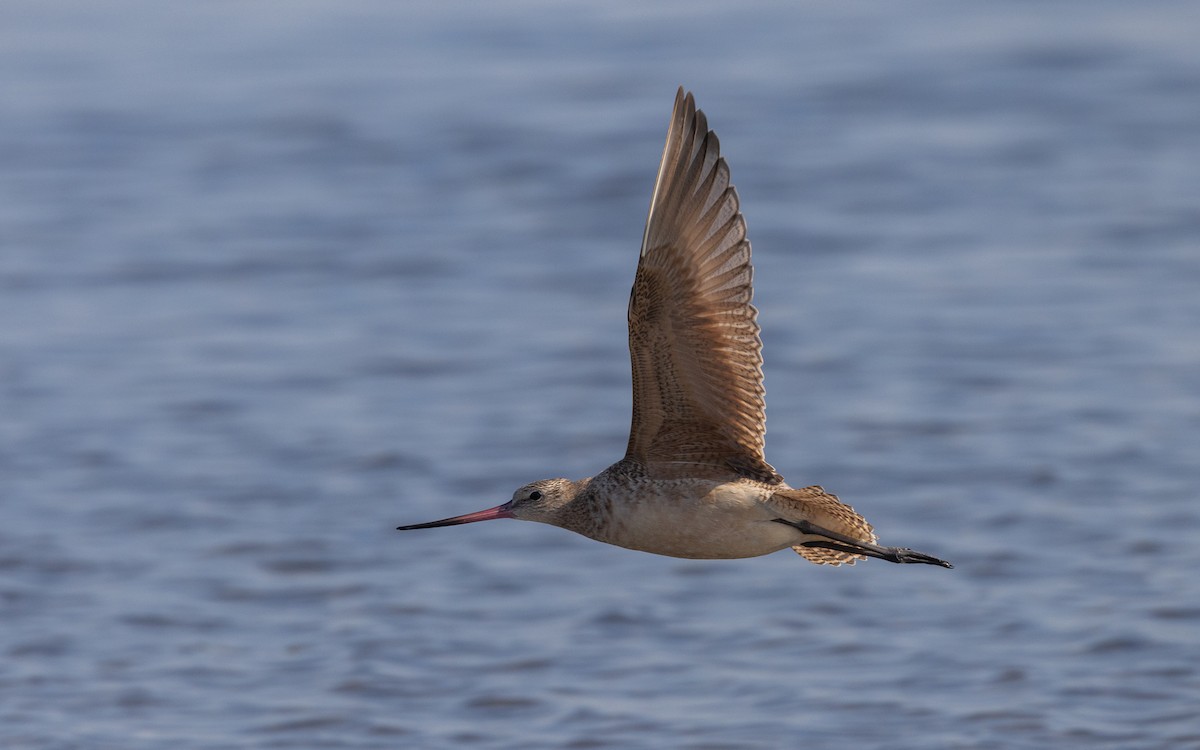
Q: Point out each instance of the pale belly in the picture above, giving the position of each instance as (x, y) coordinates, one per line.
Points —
(705, 521)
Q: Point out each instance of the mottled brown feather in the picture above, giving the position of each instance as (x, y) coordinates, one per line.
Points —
(698, 406)
(817, 506)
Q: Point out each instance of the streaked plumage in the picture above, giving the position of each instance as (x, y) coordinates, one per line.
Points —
(694, 482)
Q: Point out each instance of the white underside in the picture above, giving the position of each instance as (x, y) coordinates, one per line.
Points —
(715, 521)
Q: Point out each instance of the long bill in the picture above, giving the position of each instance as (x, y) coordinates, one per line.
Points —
(500, 511)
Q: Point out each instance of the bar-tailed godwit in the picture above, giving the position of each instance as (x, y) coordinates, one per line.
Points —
(694, 482)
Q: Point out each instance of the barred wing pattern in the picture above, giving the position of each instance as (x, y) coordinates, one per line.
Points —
(698, 407)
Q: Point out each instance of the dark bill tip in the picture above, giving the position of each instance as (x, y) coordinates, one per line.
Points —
(500, 511)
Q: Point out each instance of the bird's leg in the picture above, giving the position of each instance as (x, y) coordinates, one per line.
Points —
(842, 543)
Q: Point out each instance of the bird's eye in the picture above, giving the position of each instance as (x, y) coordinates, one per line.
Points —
(535, 495)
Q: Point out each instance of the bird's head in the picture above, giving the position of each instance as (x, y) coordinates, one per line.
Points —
(538, 501)
(541, 500)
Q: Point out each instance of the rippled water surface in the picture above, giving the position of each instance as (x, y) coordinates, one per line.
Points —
(277, 277)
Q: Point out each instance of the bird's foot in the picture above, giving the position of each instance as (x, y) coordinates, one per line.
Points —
(842, 543)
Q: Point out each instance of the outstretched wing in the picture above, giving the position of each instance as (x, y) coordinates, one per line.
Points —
(698, 406)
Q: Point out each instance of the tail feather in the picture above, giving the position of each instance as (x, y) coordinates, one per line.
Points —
(819, 507)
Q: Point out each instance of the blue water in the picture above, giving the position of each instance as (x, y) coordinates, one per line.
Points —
(278, 277)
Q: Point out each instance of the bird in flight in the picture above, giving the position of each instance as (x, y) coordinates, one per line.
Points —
(694, 482)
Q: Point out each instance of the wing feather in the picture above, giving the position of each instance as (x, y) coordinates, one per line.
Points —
(698, 406)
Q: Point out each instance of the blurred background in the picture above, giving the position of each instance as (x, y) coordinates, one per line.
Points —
(277, 277)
